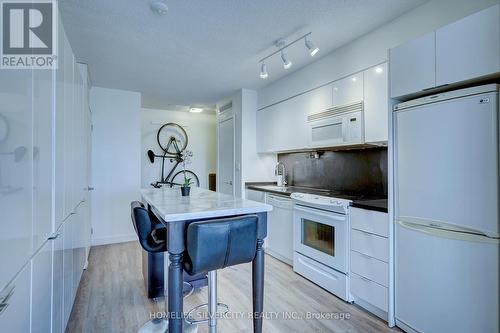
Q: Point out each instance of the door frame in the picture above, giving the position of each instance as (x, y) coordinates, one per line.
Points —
(226, 115)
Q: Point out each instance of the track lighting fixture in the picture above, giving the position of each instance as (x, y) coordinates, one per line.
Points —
(282, 45)
(286, 63)
(263, 71)
(310, 46)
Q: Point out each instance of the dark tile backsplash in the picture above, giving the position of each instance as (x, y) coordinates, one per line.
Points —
(357, 171)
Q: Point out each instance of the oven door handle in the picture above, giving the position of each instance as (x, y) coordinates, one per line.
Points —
(318, 212)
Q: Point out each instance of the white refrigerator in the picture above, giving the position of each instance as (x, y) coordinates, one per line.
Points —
(446, 166)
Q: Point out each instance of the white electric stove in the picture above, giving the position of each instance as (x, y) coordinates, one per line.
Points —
(321, 225)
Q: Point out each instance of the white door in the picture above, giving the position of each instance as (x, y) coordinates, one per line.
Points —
(226, 156)
(413, 66)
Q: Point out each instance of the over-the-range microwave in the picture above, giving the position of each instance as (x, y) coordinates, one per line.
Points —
(340, 125)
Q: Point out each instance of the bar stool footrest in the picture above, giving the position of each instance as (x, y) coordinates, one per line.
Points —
(225, 309)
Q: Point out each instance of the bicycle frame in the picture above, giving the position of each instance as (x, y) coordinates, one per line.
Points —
(177, 156)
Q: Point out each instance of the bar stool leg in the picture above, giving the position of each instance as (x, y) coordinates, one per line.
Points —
(212, 301)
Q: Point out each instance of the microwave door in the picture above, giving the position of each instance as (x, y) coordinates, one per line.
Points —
(327, 132)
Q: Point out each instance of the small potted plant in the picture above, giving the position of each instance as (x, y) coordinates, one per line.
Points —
(186, 187)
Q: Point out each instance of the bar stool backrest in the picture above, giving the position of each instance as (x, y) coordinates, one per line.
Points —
(143, 226)
(219, 243)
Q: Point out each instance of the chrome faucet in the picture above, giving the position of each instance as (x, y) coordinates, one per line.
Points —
(280, 174)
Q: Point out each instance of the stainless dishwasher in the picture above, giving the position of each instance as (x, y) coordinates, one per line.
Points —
(280, 228)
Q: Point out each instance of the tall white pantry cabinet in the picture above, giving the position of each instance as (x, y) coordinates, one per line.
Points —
(44, 199)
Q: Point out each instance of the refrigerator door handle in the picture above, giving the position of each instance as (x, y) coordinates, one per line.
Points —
(450, 234)
(443, 226)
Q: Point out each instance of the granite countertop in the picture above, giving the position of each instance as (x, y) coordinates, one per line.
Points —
(359, 201)
(171, 206)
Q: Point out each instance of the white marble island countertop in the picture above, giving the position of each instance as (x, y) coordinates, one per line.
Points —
(171, 206)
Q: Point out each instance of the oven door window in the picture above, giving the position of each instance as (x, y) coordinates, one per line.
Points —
(318, 236)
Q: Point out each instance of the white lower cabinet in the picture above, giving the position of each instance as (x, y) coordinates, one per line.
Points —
(369, 257)
(370, 244)
(371, 268)
(369, 291)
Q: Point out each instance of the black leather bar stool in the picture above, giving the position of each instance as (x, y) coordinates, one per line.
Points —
(216, 244)
(154, 239)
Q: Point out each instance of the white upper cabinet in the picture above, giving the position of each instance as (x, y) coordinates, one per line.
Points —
(348, 90)
(468, 48)
(319, 99)
(464, 50)
(413, 66)
(266, 124)
(375, 104)
(283, 126)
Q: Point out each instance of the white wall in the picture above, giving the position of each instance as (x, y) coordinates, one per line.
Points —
(254, 166)
(250, 166)
(116, 167)
(200, 128)
(371, 49)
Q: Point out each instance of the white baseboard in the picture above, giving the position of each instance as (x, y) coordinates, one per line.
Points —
(113, 239)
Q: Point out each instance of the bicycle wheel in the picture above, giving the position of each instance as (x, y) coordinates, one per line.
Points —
(178, 178)
(170, 133)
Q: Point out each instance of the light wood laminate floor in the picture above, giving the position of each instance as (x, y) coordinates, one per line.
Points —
(111, 298)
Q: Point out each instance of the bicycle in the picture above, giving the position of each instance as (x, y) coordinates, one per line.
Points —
(175, 146)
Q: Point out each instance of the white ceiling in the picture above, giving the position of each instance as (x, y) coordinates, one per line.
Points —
(203, 50)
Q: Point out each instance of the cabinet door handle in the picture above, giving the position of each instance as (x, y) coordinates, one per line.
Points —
(436, 87)
(365, 279)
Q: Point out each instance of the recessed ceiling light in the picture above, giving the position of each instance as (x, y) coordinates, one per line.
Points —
(195, 110)
(379, 69)
(354, 79)
(159, 7)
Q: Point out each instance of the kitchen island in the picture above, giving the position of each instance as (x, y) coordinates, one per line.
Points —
(176, 212)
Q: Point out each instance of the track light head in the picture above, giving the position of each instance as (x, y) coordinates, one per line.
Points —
(310, 46)
(286, 63)
(263, 71)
